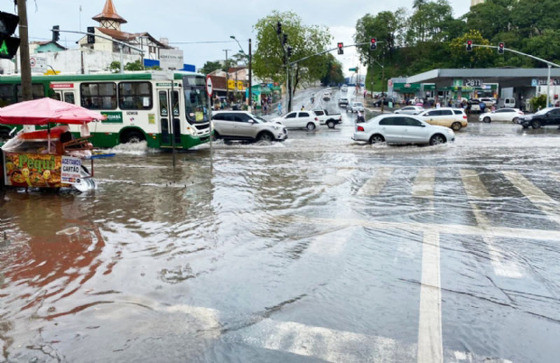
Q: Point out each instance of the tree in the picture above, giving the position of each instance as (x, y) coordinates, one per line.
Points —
(210, 67)
(269, 60)
(334, 73)
(479, 57)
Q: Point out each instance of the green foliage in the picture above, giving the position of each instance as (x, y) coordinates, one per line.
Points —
(269, 60)
(115, 67)
(334, 73)
(538, 103)
(210, 67)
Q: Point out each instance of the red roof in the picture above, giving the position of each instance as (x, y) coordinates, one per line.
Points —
(109, 13)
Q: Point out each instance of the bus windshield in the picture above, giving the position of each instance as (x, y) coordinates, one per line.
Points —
(196, 99)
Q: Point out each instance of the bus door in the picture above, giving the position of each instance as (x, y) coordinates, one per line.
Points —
(66, 96)
(168, 125)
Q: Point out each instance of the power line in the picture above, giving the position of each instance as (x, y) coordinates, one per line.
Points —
(202, 42)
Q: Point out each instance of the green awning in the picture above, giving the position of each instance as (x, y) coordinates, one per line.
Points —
(406, 87)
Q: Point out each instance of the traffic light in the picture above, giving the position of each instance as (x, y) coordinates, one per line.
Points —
(469, 45)
(501, 48)
(373, 44)
(340, 48)
(278, 28)
(284, 39)
(90, 36)
(8, 44)
(289, 51)
(55, 33)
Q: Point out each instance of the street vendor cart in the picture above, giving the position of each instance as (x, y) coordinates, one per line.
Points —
(51, 157)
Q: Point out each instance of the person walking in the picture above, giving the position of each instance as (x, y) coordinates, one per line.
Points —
(280, 108)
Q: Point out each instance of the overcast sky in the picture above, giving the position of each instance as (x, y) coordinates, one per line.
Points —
(207, 21)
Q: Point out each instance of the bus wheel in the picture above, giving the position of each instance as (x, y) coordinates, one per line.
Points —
(132, 136)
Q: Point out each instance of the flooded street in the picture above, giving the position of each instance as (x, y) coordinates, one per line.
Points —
(314, 249)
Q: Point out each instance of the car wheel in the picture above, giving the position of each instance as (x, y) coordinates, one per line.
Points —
(376, 139)
(535, 124)
(330, 124)
(265, 136)
(486, 120)
(437, 139)
(310, 126)
(515, 120)
(216, 136)
(456, 126)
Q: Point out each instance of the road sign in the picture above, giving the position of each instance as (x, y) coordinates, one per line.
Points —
(209, 86)
(352, 69)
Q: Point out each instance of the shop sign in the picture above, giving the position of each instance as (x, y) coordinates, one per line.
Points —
(70, 172)
(472, 83)
(33, 170)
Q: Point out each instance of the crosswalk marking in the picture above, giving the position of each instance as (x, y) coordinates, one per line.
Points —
(423, 186)
(548, 205)
(376, 183)
(459, 229)
(327, 344)
(430, 342)
(555, 175)
(474, 187)
(501, 267)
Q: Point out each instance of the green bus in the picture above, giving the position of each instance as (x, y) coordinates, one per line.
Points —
(136, 105)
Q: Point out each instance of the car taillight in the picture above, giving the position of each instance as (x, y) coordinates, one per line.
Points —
(316, 119)
(359, 128)
(520, 112)
(465, 117)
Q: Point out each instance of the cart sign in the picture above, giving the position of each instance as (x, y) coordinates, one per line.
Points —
(70, 172)
(209, 86)
(32, 170)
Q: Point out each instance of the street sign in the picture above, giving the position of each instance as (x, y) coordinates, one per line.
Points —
(209, 86)
(171, 58)
(352, 69)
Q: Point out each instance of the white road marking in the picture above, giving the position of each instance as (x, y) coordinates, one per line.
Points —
(323, 343)
(502, 267)
(423, 186)
(548, 205)
(555, 175)
(503, 232)
(376, 183)
(430, 342)
(330, 244)
(474, 187)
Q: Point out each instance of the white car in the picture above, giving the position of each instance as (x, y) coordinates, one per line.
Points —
(299, 120)
(401, 129)
(503, 114)
(243, 125)
(410, 110)
(454, 118)
(355, 107)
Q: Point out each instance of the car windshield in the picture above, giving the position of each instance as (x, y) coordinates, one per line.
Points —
(259, 119)
(543, 111)
(358, 104)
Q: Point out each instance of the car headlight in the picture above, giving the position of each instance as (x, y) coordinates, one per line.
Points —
(276, 127)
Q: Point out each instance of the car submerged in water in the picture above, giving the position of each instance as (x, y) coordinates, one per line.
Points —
(401, 129)
(549, 116)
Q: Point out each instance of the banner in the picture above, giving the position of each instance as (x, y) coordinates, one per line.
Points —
(33, 170)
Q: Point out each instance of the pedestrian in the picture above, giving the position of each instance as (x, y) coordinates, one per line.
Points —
(482, 107)
(302, 108)
(265, 108)
(360, 117)
(280, 108)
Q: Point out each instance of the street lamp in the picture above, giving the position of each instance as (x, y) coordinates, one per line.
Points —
(250, 99)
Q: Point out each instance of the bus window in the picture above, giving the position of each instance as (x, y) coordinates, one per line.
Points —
(163, 103)
(69, 97)
(37, 91)
(57, 96)
(6, 94)
(99, 95)
(196, 102)
(135, 96)
(175, 104)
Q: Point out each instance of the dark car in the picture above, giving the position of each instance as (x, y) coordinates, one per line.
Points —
(385, 101)
(546, 117)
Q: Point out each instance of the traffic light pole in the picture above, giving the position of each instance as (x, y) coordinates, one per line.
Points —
(24, 61)
(550, 64)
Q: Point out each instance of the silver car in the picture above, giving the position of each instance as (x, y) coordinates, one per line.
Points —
(401, 129)
(242, 125)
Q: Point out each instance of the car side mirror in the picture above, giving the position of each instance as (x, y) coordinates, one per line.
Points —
(422, 125)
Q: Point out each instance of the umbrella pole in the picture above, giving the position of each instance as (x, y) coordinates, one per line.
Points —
(49, 138)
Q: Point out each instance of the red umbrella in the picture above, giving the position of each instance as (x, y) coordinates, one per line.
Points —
(46, 110)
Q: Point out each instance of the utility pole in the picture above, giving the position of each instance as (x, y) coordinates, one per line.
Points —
(227, 76)
(250, 78)
(25, 65)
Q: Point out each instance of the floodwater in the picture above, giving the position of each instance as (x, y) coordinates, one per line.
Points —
(314, 249)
